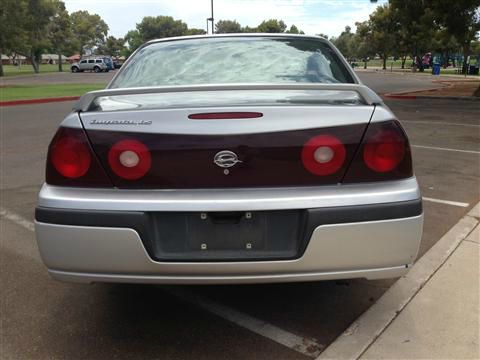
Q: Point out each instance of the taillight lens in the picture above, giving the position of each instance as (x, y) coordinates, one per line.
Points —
(129, 159)
(71, 161)
(71, 156)
(383, 155)
(323, 155)
(384, 150)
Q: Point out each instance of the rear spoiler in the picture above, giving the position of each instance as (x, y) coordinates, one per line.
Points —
(369, 97)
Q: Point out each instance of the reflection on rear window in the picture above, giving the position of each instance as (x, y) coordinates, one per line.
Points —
(257, 59)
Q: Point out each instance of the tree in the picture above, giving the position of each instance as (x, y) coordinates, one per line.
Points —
(89, 29)
(383, 25)
(227, 26)
(134, 41)
(364, 44)
(325, 36)
(11, 32)
(344, 42)
(34, 25)
(60, 32)
(461, 19)
(294, 30)
(417, 22)
(194, 31)
(112, 46)
(155, 28)
(160, 26)
(272, 26)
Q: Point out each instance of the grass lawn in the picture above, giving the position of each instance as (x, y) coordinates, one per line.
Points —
(11, 70)
(21, 92)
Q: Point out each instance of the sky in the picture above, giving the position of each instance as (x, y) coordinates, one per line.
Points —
(312, 16)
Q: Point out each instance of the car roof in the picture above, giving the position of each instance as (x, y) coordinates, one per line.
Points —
(235, 35)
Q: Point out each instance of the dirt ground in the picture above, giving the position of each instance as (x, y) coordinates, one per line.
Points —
(467, 88)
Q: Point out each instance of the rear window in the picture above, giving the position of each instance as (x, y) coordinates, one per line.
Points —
(98, 61)
(256, 59)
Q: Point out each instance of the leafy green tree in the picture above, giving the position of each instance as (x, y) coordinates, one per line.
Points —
(227, 26)
(461, 19)
(364, 44)
(345, 42)
(134, 40)
(88, 29)
(160, 27)
(113, 46)
(417, 22)
(60, 32)
(384, 25)
(272, 26)
(12, 13)
(34, 25)
(325, 36)
(194, 31)
(155, 27)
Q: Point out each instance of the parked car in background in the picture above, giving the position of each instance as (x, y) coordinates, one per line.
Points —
(90, 64)
(230, 159)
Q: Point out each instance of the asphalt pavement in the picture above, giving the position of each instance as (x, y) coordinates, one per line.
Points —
(41, 318)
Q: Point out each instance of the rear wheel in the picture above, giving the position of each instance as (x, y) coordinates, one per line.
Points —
(75, 69)
(97, 69)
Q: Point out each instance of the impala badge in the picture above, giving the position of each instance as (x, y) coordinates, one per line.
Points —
(226, 159)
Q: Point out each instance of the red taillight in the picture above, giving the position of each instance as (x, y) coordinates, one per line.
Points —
(384, 150)
(225, 115)
(71, 161)
(323, 155)
(383, 155)
(70, 156)
(129, 159)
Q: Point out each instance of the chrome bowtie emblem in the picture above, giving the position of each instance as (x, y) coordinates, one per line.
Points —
(226, 159)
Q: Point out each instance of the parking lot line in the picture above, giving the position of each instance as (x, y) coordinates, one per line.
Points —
(17, 219)
(446, 149)
(446, 202)
(438, 123)
(306, 346)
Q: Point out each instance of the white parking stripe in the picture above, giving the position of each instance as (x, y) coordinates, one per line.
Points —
(446, 149)
(17, 219)
(446, 202)
(438, 123)
(305, 346)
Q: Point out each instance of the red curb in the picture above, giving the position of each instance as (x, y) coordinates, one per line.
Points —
(38, 101)
(402, 97)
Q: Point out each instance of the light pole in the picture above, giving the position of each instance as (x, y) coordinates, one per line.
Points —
(213, 23)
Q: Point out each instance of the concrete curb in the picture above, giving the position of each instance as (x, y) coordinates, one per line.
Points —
(38, 101)
(369, 326)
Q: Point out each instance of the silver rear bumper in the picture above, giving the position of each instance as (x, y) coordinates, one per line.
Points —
(361, 249)
(372, 250)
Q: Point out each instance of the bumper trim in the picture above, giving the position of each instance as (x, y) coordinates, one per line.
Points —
(369, 274)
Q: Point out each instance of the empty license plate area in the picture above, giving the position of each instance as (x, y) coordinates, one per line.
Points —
(227, 236)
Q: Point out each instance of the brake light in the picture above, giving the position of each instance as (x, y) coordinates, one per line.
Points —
(225, 115)
(71, 161)
(384, 150)
(129, 159)
(383, 155)
(71, 156)
(323, 155)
